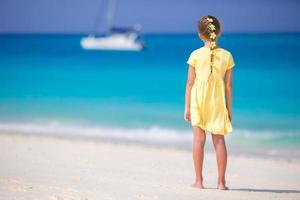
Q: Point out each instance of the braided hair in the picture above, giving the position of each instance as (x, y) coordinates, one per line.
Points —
(210, 27)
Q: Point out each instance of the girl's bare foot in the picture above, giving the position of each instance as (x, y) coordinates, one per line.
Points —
(198, 185)
(222, 187)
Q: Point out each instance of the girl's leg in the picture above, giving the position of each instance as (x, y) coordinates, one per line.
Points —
(198, 155)
(221, 154)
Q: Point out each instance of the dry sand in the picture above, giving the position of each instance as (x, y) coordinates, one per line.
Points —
(55, 169)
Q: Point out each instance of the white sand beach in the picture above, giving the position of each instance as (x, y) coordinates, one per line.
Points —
(57, 169)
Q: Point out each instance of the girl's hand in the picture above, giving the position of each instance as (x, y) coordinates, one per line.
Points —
(230, 116)
(187, 115)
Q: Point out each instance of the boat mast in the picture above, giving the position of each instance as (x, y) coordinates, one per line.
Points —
(98, 20)
(110, 14)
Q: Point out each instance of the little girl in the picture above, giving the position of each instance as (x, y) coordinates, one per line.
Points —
(208, 98)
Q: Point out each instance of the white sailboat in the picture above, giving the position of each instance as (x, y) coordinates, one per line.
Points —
(116, 38)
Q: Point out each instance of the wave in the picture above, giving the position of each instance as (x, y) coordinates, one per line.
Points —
(154, 134)
(279, 144)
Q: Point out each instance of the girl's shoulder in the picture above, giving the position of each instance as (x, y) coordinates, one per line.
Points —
(198, 51)
(202, 52)
(224, 50)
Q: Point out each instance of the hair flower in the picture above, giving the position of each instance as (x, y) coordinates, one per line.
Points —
(213, 44)
(212, 27)
(212, 35)
(210, 20)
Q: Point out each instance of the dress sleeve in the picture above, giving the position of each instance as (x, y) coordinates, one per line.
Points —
(192, 60)
(230, 63)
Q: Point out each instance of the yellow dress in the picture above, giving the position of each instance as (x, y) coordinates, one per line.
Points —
(208, 102)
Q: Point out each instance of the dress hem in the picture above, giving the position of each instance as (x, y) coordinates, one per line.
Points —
(210, 130)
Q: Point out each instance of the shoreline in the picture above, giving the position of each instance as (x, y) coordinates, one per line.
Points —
(234, 149)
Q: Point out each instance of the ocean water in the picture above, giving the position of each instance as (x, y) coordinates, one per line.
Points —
(49, 85)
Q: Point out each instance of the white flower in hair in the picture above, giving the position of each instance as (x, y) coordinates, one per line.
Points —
(213, 44)
(212, 35)
(210, 20)
(212, 27)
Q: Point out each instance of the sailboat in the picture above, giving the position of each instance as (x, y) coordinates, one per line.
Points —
(120, 39)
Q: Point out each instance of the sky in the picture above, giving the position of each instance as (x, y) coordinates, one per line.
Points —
(155, 16)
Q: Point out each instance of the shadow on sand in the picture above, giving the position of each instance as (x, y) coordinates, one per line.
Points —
(265, 190)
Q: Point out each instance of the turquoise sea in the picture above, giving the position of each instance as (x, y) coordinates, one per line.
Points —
(49, 85)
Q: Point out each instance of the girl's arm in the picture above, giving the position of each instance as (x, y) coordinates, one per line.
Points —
(188, 88)
(228, 91)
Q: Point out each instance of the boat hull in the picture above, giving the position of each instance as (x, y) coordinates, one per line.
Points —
(115, 42)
